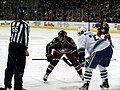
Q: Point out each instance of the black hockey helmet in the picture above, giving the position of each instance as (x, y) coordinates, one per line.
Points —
(62, 33)
(19, 14)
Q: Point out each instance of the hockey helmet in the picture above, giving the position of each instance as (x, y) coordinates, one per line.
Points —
(82, 30)
(20, 14)
(62, 33)
(62, 36)
(103, 28)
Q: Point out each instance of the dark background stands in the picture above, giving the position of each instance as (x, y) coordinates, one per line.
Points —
(63, 10)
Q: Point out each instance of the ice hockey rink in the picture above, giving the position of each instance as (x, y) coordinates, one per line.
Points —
(63, 76)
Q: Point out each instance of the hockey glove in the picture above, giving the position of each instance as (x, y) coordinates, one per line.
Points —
(49, 57)
(107, 36)
(81, 58)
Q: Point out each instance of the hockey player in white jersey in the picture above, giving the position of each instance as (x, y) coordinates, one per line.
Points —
(100, 52)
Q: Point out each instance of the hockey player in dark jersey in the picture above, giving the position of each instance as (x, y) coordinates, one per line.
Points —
(61, 45)
(103, 29)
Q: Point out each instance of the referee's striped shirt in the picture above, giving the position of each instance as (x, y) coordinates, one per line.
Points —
(20, 32)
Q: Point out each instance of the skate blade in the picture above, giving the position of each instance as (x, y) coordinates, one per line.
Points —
(45, 82)
(82, 88)
(104, 88)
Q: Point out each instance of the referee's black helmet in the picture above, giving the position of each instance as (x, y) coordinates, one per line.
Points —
(20, 14)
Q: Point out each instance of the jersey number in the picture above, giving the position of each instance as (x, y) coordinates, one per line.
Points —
(94, 37)
(14, 29)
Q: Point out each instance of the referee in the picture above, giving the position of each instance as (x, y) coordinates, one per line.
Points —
(17, 52)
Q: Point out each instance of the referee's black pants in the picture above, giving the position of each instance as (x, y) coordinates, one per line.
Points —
(15, 66)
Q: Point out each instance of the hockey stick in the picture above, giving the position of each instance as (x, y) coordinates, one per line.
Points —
(53, 59)
(64, 59)
(44, 59)
(112, 59)
(67, 62)
(39, 59)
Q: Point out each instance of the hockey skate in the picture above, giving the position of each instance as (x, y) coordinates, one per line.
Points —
(5, 88)
(45, 77)
(8, 87)
(24, 89)
(105, 84)
(2, 88)
(81, 76)
(85, 86)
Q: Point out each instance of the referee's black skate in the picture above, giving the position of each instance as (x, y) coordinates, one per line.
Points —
(85, 86)
(23, 88)
(9, 87)
(105, 84)
(6, 88)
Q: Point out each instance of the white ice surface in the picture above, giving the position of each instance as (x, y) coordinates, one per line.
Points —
(63, 77)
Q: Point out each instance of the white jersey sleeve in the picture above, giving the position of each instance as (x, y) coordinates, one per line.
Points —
(91, 42)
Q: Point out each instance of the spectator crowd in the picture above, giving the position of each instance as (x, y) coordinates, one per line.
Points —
(63, 10)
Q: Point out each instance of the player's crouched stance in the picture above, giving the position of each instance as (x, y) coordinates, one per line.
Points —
(100, 52)
(61, 45)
